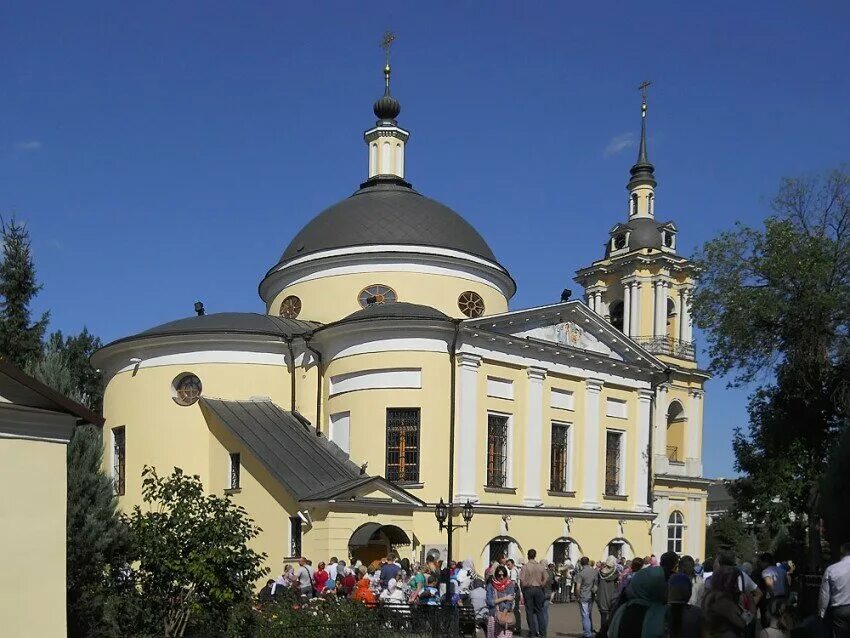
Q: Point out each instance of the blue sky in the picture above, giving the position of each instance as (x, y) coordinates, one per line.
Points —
(165, 152)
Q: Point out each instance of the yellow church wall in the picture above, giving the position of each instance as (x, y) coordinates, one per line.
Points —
(575, 419)
(32, 535)
(329, 299)
(163, 434)
(367, 410)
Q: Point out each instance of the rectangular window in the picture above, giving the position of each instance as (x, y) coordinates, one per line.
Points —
(613, 462)
(235, 471)
(497, 450)
(558, 477)
(119, 460)
(295, 536)
(403, 445)
(616, 408)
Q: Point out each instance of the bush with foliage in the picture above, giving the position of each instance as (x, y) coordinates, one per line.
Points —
(192, 572)
(287, 617)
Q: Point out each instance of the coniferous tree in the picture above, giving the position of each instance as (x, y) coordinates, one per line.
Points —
(20, 340)
(77, 350)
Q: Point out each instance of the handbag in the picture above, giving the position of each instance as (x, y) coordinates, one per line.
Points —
(505, 618)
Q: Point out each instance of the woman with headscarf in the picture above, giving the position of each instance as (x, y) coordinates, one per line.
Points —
(347, 584)
(724, 617)
(687, 566)
(641, 615)
(392, 594)
(500, 602)
(606, 590)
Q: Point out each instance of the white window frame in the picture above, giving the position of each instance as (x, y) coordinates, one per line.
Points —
(335, 437)
(113, 458)
(680, 525)
(228, 480)
(509, 452)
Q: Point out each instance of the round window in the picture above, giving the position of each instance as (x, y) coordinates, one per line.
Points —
(377, 293)
(290, 307)
(186, 389)
(471, 304)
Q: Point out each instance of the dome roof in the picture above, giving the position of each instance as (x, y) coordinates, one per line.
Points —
(643, 233)
(387, 211)
(396, 310)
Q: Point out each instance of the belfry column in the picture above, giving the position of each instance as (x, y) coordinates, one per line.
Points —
(634, 324)
(627, 309)
(592, 392)
(468, 425)
(685, 326)
(643, 451)
(660, 461)
(534, 437)
(660, 319)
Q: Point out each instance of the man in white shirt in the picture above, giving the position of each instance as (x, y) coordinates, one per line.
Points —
(834, 599)
(332, 568)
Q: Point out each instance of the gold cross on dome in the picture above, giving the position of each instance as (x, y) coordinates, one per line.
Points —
(386, 43)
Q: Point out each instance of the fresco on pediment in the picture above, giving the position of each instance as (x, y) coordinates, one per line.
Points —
(570, 334)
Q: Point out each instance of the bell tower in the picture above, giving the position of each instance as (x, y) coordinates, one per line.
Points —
(641, 286)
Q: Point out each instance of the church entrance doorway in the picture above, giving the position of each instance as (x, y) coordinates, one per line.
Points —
(373, 541)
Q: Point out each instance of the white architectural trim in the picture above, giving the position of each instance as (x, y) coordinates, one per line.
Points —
(627, 309)
(339, 430)
(660, 462)
(593, 391)
(467, 426)
(534, 436)
(208, 356)
(500, 388)
(642, 452)
(562, 399)
(383, 379)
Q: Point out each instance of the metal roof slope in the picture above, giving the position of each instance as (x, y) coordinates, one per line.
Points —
(303, 462)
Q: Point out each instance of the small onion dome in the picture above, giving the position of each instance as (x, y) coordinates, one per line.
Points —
(387, 107)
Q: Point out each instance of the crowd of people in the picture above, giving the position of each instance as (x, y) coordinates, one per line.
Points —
(671, 597)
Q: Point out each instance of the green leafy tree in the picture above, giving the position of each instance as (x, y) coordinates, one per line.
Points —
(775, 306)
(20, 338)
(193, 568)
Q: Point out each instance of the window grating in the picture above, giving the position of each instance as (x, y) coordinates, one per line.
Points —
(498, 550)
(119, 460)
(295, 536)
(403, 445)
(558, 466)
(612, 462)
(235, 471)
(560, 552)
(497, 450)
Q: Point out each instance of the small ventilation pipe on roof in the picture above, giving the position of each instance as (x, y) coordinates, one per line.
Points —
(291, 366)
(319, 378)
(199, 308)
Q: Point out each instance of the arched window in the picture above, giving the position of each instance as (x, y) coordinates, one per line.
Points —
(675, 432)
(634, 203)
(671, 307)
(675, 532)
(617, 315)
(650, 203)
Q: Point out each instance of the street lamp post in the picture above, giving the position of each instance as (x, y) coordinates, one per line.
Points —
(443, 513)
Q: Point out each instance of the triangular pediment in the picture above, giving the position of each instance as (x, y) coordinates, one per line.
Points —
(570, 324)
(370, 489)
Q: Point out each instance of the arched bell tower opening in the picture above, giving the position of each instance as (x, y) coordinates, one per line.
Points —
(676, 421)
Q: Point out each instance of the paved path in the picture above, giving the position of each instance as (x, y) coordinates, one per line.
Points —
(564, 620)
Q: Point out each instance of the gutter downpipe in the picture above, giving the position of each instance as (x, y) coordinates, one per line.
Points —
(452, 411)
(319, 380)
(288, 341)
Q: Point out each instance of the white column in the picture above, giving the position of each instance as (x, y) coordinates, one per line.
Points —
(661, 507)
(467, 457)
(693, 455)
(686, 328)
(627, 308)
(659, 461)
(592, 435)
(660, 320)
(634, 331)
(534, 451)
(591, 301)
(642, 450)
(597, 304)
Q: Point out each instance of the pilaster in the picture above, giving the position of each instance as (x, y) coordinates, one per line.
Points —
(660, 463)
(642, 450)
(534, 437)
(693, 453)
(591, 453)
(467, 454)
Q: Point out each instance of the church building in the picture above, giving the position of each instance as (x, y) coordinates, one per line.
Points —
(389, 384)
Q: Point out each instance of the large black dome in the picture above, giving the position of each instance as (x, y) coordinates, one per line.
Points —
(387, 211)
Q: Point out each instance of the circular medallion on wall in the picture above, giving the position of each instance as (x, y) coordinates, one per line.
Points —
(471, 304)
(186, 389)
(376, 293)
(290, 307)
